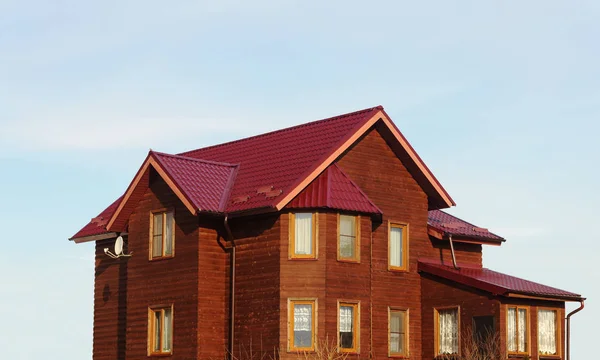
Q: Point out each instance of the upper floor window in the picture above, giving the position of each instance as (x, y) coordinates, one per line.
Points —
(517, 339)
(348, 326)
(447, 331)
(303, 236)
(398, 246)
(162, 234)
(160, 330)
(302, 324)
(349, 238)
(398, 336)
(548, 343)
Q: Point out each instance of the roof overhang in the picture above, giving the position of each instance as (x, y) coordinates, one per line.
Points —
(444, 235)
(442, 198)
(83, 239)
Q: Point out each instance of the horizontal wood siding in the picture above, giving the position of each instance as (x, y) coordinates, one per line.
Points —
(374, 167)
(169, 281)
(439, 292)
(257, 285)
(110, 296)
(465, 253)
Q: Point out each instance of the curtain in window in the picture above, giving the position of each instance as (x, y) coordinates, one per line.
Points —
(522, 330)
(448, 327)
(547, 332)
(396, 247)
(397, 332)
(303, 235)
(157, 330)
(169, 233)
(168, 332)
(347, 236)
(302, 325)
(512, 330)
(157, 230)
(346, 327)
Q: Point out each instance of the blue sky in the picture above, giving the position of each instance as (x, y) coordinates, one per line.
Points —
(500, 98)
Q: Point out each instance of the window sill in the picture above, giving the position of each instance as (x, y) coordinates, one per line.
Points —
(517, 356)
(398, 356)
(161, 354)
(447, 357)
(349, 352)
(349, 261)
(553, 357)
(160, 258)
(302, 258)
(397, 270)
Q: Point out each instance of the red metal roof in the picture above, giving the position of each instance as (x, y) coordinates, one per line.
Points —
(281, 161)
(493, 282)
(334, 190)
(97, 225)
(207, 184)
(451, 225)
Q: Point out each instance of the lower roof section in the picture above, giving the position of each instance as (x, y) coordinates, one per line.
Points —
(494, 282)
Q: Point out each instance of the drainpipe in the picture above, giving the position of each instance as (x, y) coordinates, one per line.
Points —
(232, 304)
(569, 327)
(371, 296)
(452, 250)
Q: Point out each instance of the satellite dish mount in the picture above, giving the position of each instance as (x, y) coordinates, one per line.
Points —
(118, 251)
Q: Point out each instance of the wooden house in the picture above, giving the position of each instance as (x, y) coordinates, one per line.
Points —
(328, 230)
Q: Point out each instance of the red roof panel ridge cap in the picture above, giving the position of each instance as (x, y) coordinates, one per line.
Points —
(379, 107)
(227, 191)
(183, 157)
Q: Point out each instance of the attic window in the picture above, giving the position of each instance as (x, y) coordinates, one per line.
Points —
(162, 234)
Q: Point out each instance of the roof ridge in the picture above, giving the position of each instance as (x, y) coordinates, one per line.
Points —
(378, 107)
(220, 163)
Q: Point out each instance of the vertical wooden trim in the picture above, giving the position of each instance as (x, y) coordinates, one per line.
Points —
(405, 246)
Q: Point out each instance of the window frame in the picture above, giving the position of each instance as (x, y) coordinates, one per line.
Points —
(151, 328)
(406, 354)
(302, 301)
(356, 258)
(292, 237)
(528, 329)
(163, 212)
(405, 248)
(436, 318)
(356, 326)
(558, 332)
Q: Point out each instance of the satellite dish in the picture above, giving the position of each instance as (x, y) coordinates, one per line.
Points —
(119, 246)
(118, 249)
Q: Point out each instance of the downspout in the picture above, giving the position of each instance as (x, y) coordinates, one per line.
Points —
(232, 285)
(371, 296)
(452, 250)
(569, 327)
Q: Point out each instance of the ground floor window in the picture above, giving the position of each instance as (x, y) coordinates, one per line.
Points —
(398, 336)
(302, 324)
(447, 331)
(517, 338)
(548, 332)
(160, 330)
(348, 326)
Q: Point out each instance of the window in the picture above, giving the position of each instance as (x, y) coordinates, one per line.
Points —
(517, 338)
(302, 324)
(303, 236)
(348, 326)
(398, 337)
(349, 238)
(160, 330)
(447, 327)
(162, 234)
(398, 247)
(548, 332)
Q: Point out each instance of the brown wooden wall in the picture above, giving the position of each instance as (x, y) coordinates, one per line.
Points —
(439, 292)
(110, 296)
